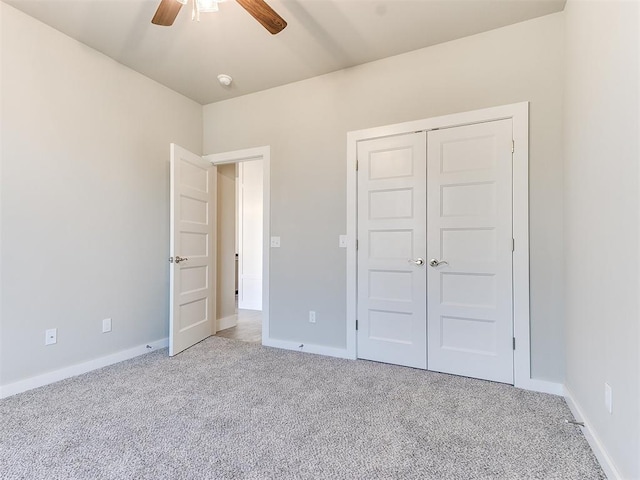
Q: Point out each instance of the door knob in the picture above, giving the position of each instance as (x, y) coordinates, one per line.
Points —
(418, 262)
(436, 263)
(180, 259)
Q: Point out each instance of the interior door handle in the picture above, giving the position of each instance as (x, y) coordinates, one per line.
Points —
(436, 263)
(418, 262)
(180, 259)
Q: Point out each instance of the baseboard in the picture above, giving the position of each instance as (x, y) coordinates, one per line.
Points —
(542, 386)
(528, 384)
(80, 368)
(308, 348)
(591, 435)
(227, 322)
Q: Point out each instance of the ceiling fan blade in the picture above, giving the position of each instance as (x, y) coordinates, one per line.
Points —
(166, 13)
(264, 14)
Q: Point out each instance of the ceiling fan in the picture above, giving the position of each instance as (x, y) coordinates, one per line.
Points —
(258, 9)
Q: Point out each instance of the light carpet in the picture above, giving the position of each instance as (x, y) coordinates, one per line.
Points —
(225, 409)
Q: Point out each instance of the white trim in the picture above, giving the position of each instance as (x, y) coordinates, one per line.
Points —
(591, 435)
(235, 156)
(258, 153)
(543, 386)
(352, 234)
(519, 113)
(80, 368)
(307, 348)
(521, 321)
(227, 322)
(445, 121)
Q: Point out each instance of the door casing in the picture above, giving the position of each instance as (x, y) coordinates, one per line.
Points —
(519, 114)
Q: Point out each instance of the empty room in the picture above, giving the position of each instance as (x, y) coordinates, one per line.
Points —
(434, 273)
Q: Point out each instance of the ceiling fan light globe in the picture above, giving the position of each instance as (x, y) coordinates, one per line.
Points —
(207, 6)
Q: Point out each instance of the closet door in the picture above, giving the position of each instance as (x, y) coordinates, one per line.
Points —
(469, 225)
(392, 324)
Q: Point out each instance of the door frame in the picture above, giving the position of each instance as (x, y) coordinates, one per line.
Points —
(519, 114)
(246, 155)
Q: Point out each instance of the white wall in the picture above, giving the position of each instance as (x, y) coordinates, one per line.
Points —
(85, 185)
(250, 207)
(226, 283)
(602, 153)
(306, 125)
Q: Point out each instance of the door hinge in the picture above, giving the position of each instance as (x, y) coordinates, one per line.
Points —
(513, 244)
(513, 146)
(514, 343)
(170, 259)
(356, 244)
(356, 324)
(356, 165)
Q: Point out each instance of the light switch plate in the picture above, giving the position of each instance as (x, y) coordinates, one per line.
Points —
(275, 242)
(342, 241)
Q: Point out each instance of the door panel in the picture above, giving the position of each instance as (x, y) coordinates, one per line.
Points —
(391, 233)
(469, 225)
(192, 311)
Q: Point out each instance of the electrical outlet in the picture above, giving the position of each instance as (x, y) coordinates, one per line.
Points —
(312, 316)
(608, 398)
(275, 242)
(106, 325)
(51, 336)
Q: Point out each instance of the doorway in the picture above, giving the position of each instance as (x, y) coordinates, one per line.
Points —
(434, 280)
(193, 237)
(239, 255)
(243, 229)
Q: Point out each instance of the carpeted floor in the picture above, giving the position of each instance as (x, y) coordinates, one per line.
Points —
(225, 409)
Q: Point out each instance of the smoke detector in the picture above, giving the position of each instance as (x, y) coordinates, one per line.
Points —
(225, 80)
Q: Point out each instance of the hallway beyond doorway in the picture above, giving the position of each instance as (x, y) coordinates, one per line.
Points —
(248, 329)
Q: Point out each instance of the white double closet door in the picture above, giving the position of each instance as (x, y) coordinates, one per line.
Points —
(435, 286)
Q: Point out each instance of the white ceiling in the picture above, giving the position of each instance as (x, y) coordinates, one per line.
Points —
(322, 36)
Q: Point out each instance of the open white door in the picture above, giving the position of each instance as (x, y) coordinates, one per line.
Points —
(192, 297)
(469, 238)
